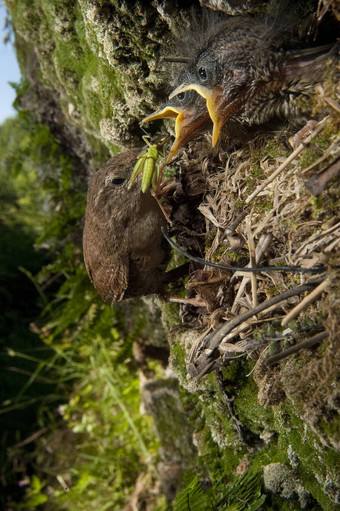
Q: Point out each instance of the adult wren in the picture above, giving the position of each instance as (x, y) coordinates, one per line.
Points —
(125, 253)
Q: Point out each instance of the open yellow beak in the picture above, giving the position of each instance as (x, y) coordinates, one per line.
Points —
(170, 113)
(213, 98)
(187, 122)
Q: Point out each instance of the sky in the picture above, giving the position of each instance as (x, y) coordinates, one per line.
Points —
(9, 71)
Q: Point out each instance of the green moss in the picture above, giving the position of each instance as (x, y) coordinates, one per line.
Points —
(234, 256)
(282, 437)
(318, 145)
(264, 205)
(274, 149)
(316, 463)
(101, 61)
(291, 224)
(220, 462)
(331, 428)
(170, 314)
(318, 205)
(209, 238)
(309, 156)
(256, 174)
(250, 412)
(271, 147)
(94, 89)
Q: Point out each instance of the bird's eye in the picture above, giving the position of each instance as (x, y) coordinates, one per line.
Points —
(202, 72)
(181, 96)
(118, 181)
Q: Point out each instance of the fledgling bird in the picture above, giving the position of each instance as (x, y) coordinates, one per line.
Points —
(125, 253)
(248, 72)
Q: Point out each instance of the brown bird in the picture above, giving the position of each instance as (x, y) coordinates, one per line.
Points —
(125, 253)
(191, 114)
(246, 73)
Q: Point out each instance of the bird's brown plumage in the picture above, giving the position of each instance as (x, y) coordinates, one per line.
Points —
(124, 252)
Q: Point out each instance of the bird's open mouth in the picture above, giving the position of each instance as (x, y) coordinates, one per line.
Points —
(214, 101)
(188, 122)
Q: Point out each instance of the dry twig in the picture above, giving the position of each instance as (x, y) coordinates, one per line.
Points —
(305, 302)
(318, 183)
(252, 261)
(288, 160)
(308, 343)
(212, 342)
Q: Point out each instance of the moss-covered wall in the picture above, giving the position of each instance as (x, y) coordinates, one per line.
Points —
(102, 59)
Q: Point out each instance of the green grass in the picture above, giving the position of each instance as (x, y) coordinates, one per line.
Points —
(69, 382)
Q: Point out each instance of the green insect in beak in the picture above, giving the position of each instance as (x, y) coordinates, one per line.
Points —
(147, 165)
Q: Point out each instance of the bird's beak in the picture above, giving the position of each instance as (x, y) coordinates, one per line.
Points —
(213, 98)
(188, 121)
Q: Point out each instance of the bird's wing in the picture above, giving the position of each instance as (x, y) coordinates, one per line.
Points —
(117, 280)
(111, 282)
(308, 60)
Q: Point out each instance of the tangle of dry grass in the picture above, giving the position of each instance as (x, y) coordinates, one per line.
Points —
(258, 212)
